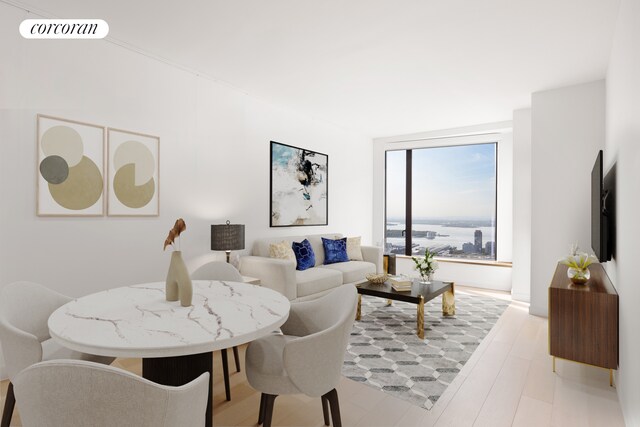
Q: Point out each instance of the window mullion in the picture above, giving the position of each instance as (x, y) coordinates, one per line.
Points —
(408, 208)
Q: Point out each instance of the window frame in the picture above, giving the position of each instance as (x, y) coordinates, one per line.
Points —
(418, 145)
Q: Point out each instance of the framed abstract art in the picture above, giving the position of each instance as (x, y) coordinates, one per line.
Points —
(133, 174)
(299, 186)
(70, 178)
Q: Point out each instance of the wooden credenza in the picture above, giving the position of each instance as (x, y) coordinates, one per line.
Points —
(583, 319)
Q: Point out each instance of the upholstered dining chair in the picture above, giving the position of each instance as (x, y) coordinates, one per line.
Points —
(75, 393)
(307, 357)
(217, 270)
(25, 308)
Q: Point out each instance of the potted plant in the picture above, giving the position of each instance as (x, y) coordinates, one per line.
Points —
(578, 263)
(426, 266)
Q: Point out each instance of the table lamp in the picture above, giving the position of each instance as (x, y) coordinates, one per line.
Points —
(227, 237)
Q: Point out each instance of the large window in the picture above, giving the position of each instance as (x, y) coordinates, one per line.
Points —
(446, 196)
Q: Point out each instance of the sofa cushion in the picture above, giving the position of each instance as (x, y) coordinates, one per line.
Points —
(316, 243)
(316, 280)
(352, 271)
(261, 246)
(354, 249)
(282, 250)
(335, 250)
(304, 255)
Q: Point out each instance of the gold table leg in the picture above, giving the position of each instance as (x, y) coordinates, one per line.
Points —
(449, 302)
(421, 318)
(610, 377)
(359, 307)
(389, 302)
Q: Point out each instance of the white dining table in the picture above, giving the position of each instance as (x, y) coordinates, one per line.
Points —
(174, 342)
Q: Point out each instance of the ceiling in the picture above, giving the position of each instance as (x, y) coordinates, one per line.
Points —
(381, 67)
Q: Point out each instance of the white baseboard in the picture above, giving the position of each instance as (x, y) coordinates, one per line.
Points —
(520, 297)
(535, 312)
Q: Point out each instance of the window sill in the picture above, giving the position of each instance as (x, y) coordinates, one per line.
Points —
(467, 261)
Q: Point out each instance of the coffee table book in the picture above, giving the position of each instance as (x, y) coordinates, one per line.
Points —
(400, 280)
(402, 287)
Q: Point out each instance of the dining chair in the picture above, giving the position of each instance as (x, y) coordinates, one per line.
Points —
(217, 270)
(75, 393)
(25, 308)
(307, 357)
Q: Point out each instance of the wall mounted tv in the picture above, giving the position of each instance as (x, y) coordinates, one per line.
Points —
(603, 229)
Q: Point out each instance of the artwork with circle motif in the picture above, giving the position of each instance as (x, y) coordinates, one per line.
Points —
(70, 166)
(133, 174)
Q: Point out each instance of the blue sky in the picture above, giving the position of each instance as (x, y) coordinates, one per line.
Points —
(448, 182)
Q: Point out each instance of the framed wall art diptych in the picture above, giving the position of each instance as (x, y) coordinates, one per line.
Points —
(299, 186)
(70, 169)
(133, 187)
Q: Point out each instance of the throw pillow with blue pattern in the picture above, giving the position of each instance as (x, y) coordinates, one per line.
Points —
(335, 250)
(305, 257)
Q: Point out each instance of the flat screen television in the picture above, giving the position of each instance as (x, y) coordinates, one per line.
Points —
(597, 224)
(602, 210)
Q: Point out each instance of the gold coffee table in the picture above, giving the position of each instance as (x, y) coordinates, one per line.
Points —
(419, 294)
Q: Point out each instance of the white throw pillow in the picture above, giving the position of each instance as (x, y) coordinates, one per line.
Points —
(282, 250)
(354, 251)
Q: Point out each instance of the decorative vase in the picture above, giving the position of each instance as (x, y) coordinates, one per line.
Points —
(178, 285)
(579, 276)
(426, 278)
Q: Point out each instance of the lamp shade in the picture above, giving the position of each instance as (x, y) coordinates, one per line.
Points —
(227, 237)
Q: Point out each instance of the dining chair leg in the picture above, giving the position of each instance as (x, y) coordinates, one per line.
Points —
(332, 397)
(325, 410)
(236, 357)
(268, 409)
(263, 398)
(9, 404)
(225, 373)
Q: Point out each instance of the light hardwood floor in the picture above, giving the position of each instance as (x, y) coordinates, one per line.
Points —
(507, 381)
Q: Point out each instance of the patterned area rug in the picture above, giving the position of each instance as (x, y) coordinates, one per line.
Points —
(384, 351)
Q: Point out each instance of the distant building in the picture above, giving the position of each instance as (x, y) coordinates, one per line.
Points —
(490, 249)
(478, 241)
(468, 248)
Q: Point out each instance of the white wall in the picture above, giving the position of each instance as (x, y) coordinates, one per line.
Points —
(623, 146)
(521, 273)
(504, 194)
(568, 129)
(489, 277)
(214, 161)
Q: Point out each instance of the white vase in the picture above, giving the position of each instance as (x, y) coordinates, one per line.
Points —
(178, 284)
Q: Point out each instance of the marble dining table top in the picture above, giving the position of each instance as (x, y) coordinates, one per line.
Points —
(137, 321)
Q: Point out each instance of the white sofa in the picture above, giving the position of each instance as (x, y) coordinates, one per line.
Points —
(282, 276)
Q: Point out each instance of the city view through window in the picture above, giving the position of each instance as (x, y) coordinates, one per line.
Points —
(452, 210)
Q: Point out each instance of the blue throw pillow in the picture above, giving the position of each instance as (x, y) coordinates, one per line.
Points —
(335, 250)
(304, 255)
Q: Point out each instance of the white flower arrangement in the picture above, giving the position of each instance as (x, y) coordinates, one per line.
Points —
(578, 260)
(427, 265)
(578, 263)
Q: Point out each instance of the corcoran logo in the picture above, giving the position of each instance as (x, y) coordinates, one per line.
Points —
(64, 29)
